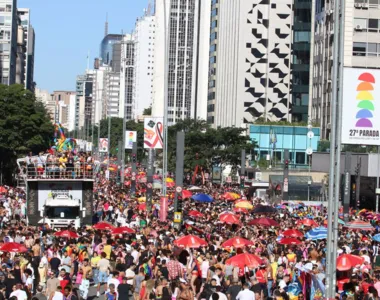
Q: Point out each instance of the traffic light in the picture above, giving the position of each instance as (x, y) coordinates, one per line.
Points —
(134, 159)
(286, 165)
(179, 203)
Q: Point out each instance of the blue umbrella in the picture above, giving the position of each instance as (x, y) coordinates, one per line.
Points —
(318, 233)
(203, 198)
(376, 237)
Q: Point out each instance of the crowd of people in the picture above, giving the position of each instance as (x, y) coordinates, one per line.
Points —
(147, 261)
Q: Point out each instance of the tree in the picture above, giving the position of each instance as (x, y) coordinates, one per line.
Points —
(25, 127)
(148, 111)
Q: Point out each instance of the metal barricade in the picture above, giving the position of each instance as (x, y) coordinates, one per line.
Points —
(60, 171)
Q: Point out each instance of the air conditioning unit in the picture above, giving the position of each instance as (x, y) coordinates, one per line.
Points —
(365, 5)
(357, 5)
(358, 28)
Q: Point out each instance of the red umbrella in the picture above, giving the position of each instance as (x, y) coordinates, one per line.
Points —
(241, 210)
(190, 241)
(195, 214)
(359, 225)
(67, 234)
(346, 262)
(141, 206)
(3, 189)
(263, 222)
(229, 219)
(244, 260)
(289, 241)
(292, 233)
(103, 226)
(122, 230)
(170, 184)
(13, 247)
(307, 222)
(236, 242)
(186, 194)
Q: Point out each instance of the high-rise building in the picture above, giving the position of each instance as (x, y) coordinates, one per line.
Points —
(62, 100)
(361, 50)
(181, 20)
(29, 41)
(144, 37)
(8, 41)
(106, 47)
(84, 108)
(47, 100)
(255, 56)
(127, 79)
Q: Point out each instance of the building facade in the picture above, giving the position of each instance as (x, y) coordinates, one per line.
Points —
(144, 37)
(106, 47)
(180, 19)
(259, 52)
(273, 140)
(28, 47)
(361, 49)
(84, 108)
(8, 38)
(62, 101)
(48, 101)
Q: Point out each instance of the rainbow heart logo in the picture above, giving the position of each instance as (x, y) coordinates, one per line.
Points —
(365, 98)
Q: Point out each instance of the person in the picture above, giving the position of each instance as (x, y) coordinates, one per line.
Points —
(234, 289)
(123, 289)
(40, 295)
(52, 283)
(84, 287)
(111, 294)
(103, 266)
(69, 294)
(94, 264)
(137, 281)
(113, 280)
(19, 293)
(185, 292)
(57, 294)
(55, 262)
(245, 294)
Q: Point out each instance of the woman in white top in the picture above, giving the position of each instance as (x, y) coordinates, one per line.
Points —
(57, 295)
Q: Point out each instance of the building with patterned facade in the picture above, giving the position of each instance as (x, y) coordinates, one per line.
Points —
(258, 61)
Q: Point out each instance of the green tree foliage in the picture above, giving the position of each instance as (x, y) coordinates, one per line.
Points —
(24, 126)
(147, 111)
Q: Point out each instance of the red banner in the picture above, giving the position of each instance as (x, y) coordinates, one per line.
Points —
(163, 209)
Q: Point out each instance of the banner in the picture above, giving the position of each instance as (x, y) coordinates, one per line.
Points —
(130, 138)
(216, 174)
(163, 209)
(103, 145)
(361, 107)
(88, 146)
(153, 133)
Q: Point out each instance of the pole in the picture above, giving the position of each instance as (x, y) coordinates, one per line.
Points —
(149, 191)
(134, 160)
(179, 169)
(357, 192)
(123, 152)
(109, 143)
(335, 146)
(377, 179)
(347, 187)
(242, 170)
(285, 186)
(166, 78)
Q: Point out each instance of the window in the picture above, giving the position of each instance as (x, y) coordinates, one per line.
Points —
(213, 48)
(372, 49)
(214, 12)
(359, 49)
(212, 59)
(2, 20)
(373, 25)
(213, 36)
(214, 24)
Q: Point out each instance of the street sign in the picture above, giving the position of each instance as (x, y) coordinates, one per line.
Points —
(286, 185)
(178, 189)
(177, 217)
(149, 185)
(310, 134)
(133, 178)
(229, 179)
(309, 151)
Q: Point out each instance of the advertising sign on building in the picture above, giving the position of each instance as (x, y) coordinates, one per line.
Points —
(103, 145)
(130, 138)
(361, 107)
(153, 133)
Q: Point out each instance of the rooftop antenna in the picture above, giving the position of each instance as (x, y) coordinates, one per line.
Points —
(88, 60)
(149, 10)
(106, 26)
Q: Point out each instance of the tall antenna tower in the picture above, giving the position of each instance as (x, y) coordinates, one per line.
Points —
(106, 26)
(149, 10)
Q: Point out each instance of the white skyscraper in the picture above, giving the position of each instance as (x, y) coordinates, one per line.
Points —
(184, 23)
(144, 37)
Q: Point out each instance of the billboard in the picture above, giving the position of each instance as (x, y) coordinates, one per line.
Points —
(153, 133)
(50, 189)
(130, 138)
(361, 107)
(103, 145)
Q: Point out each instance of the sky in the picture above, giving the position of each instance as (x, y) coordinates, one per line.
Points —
(67, 30)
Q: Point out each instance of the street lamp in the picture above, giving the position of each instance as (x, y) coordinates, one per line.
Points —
(309, 152)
